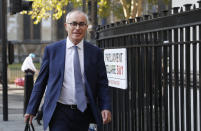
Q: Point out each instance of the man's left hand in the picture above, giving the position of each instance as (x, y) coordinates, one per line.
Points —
(106, 115)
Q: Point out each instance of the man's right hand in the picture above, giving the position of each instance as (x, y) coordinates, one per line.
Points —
(28, 116)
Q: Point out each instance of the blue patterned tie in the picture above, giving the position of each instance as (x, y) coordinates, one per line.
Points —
(79, 86)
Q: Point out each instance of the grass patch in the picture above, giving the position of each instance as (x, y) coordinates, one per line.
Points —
(14, 71)
(18, 66)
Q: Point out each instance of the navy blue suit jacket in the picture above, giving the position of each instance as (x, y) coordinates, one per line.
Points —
(51, 78)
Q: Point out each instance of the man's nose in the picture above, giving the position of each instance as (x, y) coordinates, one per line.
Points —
(77, 26)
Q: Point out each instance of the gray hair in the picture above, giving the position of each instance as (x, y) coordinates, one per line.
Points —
(68, 15)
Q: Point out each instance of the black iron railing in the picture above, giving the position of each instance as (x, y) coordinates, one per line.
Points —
(164, 78)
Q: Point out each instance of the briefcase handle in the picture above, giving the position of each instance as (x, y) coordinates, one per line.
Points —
(29, 127)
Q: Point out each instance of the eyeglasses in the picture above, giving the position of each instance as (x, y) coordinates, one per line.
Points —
(74, 24)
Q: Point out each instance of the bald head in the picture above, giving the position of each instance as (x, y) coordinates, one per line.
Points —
(79, 12)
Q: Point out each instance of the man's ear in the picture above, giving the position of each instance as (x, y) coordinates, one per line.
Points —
(65, 25)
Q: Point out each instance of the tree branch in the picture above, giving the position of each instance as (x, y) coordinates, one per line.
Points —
(125, 8)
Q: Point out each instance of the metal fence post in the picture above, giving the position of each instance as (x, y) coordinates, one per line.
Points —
(3, 14)
(28, 86)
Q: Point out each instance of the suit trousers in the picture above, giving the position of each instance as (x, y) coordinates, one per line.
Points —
(67, 119)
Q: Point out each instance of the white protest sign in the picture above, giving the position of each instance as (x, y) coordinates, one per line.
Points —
(116, 65)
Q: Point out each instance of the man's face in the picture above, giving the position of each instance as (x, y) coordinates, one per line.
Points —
(76, 27)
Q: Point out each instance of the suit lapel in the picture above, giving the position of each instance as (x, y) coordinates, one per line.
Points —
(63, 54)
(86, 57)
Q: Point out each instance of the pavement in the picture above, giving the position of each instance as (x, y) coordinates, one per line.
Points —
(15, 110)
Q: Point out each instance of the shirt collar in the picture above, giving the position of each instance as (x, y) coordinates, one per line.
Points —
(69, 44)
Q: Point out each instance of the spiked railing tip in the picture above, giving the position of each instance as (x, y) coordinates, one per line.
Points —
(187, 7)
(175, 10)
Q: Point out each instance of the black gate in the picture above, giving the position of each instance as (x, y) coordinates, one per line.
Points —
(164, 78)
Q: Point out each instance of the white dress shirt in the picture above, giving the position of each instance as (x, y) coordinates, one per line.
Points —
(67, 95)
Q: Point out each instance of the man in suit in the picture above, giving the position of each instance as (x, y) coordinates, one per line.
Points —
(72, 91)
